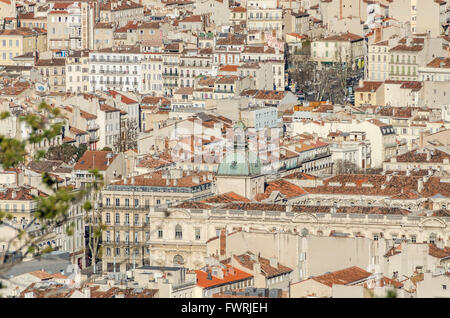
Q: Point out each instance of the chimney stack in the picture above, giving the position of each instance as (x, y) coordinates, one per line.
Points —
(419, 185)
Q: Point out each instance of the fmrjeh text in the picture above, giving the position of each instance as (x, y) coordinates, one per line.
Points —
(249, 308)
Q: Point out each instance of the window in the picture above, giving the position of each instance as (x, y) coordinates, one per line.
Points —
(127, 218)
(375, 237)
(108, 218)
(432, 238)
(197, 233)
(178, 232)
(136, 219)
(160, 233)
(108, 236)
(117, 202)
(117, 218)
(127, 202)
(136, 203)
(117, 237)
(117, 251)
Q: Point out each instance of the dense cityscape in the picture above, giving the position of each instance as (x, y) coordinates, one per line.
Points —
(224, 149)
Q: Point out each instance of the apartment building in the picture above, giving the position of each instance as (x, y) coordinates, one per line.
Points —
(296, 22)
(438, 70)
(103, 35)
(29, 20)
(265, 16)
(228, 49)
(350, 147)
(20, 202)
(170, 65)
(120, 12)
(404, 62)
(193, 66)
(109, 119)
(129, 235)
(342, 48)
(76, 71)
(381, 136)
(20, 41)
(53, 73)
(152, 70)
(378, 61)
(58, 30)
(237, 15)
(117, 68)
(262, 74)
(191, 23)
(260, 117)
(108, 164)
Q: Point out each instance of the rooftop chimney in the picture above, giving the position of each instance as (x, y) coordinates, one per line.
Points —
(419, 185)
(273, 262)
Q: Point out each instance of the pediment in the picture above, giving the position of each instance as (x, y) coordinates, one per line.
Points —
(304, 217)
(179, 215)
(432, 222)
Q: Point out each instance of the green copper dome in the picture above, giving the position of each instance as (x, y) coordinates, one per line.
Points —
(240, 162)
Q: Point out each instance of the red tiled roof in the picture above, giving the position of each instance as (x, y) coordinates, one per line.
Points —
(228, 277)
(226, 198)
(344, 37)
(229, 68)
(369, 87)
(286, 188)
(267, 269)
(343, 277)
(95, 160)
(440, 62)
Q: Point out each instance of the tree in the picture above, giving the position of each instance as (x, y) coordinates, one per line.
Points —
(346, 167)
(66, 152)
(128, 136)
(324, 82)
(93, 219)
(52, 209)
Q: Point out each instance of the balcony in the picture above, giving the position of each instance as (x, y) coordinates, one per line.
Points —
(170, 74)
(94, 139)
(94, 126)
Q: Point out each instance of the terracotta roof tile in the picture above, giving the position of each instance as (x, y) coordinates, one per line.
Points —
(95, 160)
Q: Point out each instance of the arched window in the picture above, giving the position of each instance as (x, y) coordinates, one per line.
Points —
(178, 260)
(305, 232)
(432, 238)
(178, 232)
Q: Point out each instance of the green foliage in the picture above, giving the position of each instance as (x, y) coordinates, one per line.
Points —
(106, 149)
(12, 152)
(391, 293)
(54, 206)
(64, 152)
(52, 210)
(80, 151)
